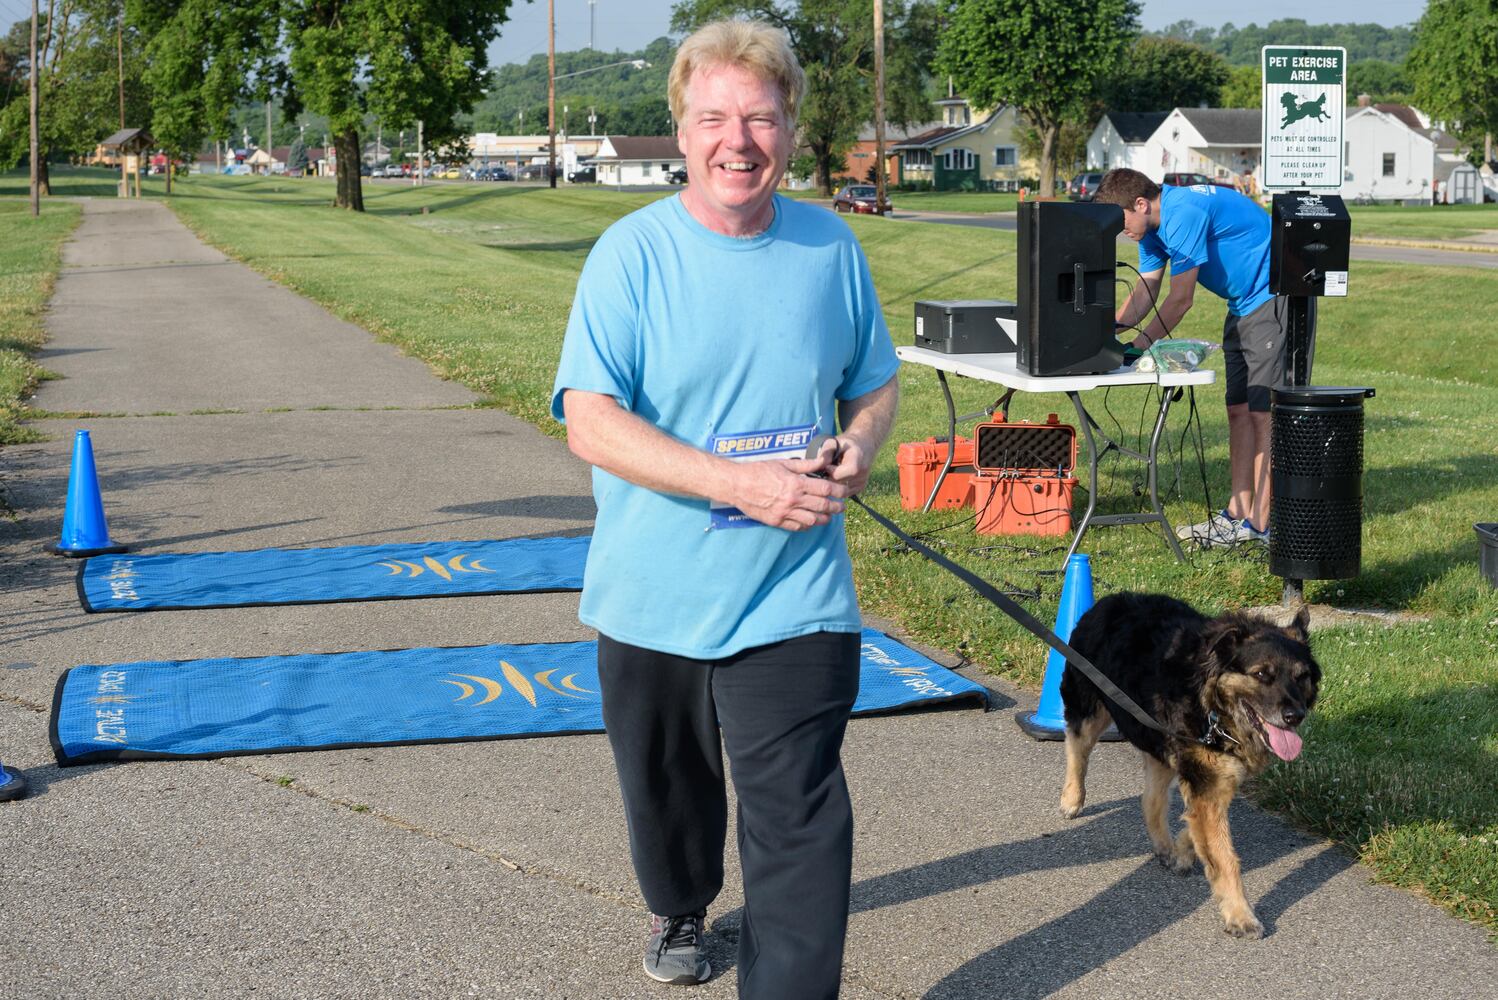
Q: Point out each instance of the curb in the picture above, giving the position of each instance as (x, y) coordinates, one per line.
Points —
(1427, 245)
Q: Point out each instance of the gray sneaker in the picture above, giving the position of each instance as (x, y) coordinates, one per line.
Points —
(1222, 530)
(674, 953)
(1219, 529)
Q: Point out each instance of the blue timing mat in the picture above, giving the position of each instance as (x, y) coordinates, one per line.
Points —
(323, 576)
(271, 704)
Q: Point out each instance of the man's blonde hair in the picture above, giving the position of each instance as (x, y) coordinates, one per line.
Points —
(755, 46)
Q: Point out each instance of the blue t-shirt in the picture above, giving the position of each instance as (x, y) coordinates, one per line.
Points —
(736, 346)
(1218, 230)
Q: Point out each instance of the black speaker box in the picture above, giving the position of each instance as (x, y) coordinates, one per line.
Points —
(964, 326)
(1066, 292)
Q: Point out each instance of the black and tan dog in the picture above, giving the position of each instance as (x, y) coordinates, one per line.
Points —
(1254, 680)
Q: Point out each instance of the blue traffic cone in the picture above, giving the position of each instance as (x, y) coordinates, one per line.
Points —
(1048, 722)
(12, 784)
(84, 532)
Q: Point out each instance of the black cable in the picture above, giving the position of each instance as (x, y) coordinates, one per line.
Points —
(1153, 303)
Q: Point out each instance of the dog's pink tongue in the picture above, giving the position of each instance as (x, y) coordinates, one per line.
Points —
(1284, 742)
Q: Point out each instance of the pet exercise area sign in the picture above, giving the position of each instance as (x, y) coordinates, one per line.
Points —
(1304, 111)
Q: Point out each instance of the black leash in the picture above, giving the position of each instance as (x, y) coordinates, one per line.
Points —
(992, 594)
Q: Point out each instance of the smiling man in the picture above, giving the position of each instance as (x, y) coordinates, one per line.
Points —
(715, 337)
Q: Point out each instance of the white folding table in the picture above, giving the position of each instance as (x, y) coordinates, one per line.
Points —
(1003, 369)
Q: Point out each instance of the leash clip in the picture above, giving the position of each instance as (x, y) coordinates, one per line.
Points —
(1215, 733)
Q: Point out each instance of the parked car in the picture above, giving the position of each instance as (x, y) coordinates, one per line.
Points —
(393, 170)
(1188, 179)
(583, 175)
(1084, 186)
(677, 176)
(862, 199)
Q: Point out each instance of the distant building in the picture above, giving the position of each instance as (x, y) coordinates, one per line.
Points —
(861, 156)
(1119, 139)
(626, 161)
(1223, 143)
(1393, 153)
(961, 155)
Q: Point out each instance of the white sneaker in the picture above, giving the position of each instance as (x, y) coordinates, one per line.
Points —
(1219, 529)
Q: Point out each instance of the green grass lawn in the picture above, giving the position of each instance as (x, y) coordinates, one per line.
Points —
(1400, 755)
(1428, 222)
(30, 255)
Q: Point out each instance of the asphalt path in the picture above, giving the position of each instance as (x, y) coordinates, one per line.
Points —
(502, 868)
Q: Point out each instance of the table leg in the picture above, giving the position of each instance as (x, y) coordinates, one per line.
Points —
(946, 392)
(1154, 475)
(1092, 462)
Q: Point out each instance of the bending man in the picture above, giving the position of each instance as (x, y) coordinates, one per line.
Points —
(1213, 237)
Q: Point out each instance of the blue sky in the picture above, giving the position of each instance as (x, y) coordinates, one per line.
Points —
(630, 25)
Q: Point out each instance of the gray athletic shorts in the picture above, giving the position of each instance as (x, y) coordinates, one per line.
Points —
(1254, 348)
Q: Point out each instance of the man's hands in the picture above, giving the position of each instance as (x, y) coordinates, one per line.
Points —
(792, 493)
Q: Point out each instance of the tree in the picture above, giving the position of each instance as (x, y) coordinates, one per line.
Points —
(296, 159)
(203, 58)
(1164, 73)
(1071, 143)
(343, 59)
(78, 82)
(1047, 57)
(1454, 66)
(1380, 80)
(1244, 88)
(834, 42)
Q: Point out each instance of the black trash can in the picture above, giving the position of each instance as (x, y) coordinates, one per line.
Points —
(1487, 553)
(1316, 481)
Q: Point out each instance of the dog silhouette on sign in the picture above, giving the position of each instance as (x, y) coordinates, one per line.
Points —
(1295, 110)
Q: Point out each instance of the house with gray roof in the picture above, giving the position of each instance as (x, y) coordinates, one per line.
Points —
(1118, 139)
(626, 160)
(1223, 143)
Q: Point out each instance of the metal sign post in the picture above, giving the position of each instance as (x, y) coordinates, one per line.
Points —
(1304, 109)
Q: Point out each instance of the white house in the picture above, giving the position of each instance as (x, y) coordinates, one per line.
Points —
(625, 160)
(1119, 137)
(1393, 154)
(1219, 142)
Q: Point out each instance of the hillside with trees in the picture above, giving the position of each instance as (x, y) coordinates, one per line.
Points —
(1240, 46)
(625, 100)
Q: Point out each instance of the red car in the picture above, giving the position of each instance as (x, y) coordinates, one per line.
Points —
(1187, 180)
(862, 199)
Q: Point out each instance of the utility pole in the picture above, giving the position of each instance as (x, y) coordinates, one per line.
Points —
(268, 143)
(592, 5)
(420, 153)
(36, 195)
(119, 51)
(881, 198)
(551, 92)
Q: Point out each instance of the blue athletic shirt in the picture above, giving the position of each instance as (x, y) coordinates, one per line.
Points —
(717, 339)
(1218, 230)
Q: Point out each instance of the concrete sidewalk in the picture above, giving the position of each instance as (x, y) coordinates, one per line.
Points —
(501, 869)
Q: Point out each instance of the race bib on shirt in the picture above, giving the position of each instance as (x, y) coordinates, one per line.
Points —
(754, 446)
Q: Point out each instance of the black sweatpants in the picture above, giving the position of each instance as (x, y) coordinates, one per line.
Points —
(782, 710)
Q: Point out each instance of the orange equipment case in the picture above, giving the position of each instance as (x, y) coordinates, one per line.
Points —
(921, 461)
(1022, 481)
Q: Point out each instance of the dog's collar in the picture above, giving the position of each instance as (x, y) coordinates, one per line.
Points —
(1215, 734)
